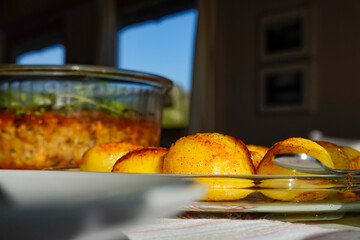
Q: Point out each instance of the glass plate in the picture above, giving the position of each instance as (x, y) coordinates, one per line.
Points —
(278, 197)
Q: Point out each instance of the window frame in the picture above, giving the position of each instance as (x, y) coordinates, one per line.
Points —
(142, 10)
(143, 13)
(33, 33)
(43, 29)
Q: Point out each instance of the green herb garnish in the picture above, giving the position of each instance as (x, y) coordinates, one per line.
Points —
(50, 101)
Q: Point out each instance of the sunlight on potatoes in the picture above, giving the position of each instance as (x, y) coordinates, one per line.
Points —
(146, 160)
(212, 153)
(101, 158)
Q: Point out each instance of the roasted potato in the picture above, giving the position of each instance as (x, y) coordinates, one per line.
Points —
(295, 145)
(355, 163)
(338, 156)
(257, 153)
(145, 160)
(212, 153)
(354, 157)
(102, 157)
(257, 148)
(208, 153)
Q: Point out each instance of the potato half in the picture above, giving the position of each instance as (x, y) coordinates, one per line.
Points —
(212, 153)
(102, 157)
(145, 160)
(295, 145)
(208, 153)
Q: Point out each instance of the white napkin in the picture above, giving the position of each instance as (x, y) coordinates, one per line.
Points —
(226, 229)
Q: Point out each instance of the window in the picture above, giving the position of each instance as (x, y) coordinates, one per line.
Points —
(164, 47)
(54, 54)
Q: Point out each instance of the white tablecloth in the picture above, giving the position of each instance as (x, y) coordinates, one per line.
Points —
(226, 229)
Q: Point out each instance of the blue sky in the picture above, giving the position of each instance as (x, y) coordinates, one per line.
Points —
(54, 54)
(164, 47)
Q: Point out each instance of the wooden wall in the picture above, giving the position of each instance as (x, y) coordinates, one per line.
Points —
(335, 73)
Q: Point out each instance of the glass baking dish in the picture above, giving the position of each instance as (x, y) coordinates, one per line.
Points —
(50, 115)
(278, 197)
